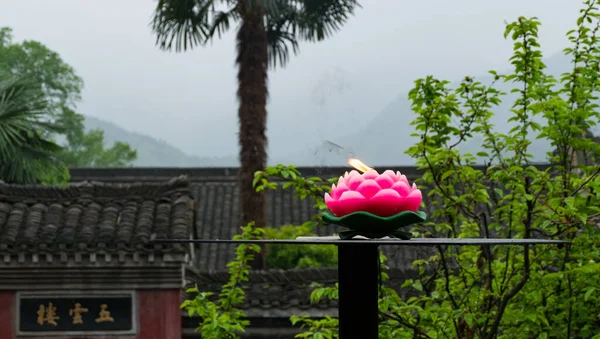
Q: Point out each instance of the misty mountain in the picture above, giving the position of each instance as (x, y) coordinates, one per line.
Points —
(153, 152)
(387, 137)
(383, 141)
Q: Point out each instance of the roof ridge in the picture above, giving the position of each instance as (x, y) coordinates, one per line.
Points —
(282, 276)
(267, 276)
(94, 189)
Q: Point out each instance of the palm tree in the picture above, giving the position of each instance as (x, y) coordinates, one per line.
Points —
(267, 29)
(27, 155)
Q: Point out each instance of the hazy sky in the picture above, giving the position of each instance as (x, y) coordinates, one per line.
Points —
(189, 98)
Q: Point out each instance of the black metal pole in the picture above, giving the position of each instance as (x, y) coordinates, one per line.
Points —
(358, 278)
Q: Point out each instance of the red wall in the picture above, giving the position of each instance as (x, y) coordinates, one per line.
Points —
(159, 318)
(7, 311)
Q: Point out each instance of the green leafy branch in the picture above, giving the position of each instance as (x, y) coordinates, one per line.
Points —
(223, 319)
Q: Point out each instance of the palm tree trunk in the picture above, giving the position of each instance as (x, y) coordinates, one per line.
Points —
(252, 60)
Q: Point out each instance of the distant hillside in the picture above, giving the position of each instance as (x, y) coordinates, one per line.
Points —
(381, 142)
(387, 137)
(153, 152)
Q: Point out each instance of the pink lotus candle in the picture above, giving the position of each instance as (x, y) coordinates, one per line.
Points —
(383, 194)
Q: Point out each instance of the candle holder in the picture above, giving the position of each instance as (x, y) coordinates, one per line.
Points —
(374, 227)
(373, 205)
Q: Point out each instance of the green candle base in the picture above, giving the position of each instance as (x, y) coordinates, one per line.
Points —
(372, 226)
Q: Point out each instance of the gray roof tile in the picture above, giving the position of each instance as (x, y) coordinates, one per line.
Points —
(91, 215)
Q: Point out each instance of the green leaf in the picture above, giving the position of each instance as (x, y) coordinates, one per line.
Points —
(588, 293)
(447, 174)
(256, 179)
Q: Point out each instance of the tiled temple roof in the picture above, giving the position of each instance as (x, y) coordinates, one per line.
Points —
(95, 215)
(282, 293)
(217, 201)
(216, 193)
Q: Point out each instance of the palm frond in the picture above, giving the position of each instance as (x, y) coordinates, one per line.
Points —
(288, 21)
(26, 155)
(20, 106)
(280, 41)
(272, 7)
(183, 24)
(18, 95)
(281, 31)
(319, 19)
(30, 168)
(222, 21)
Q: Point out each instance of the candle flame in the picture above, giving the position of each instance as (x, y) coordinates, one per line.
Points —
(359, 165)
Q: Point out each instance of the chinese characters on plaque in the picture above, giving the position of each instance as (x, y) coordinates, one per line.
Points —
(76, 313)
(108, 313)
